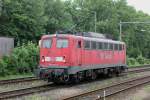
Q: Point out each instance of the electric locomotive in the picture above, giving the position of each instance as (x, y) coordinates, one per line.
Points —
(74, 57)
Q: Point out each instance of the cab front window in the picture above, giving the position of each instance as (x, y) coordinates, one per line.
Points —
(46, 43)
(62, 43)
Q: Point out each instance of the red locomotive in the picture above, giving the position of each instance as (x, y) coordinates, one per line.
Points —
(67, 57)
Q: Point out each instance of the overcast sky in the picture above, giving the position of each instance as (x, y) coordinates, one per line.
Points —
(143, 5)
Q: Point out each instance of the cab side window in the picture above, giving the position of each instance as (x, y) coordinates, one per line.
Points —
(110, 46)
(123, 47)
(100, 45)
(87, 44)
(116, 46)
(106, 46)
(93, 44)
(120, 47)
(79, 44)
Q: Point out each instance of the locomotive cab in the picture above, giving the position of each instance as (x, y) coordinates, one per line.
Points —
(54, 56)
(54, 51)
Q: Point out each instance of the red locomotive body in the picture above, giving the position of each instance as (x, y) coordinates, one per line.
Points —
(65, 57)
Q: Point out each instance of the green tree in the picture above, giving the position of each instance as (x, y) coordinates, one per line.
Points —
(22, 19)
(29, 19)
(58, 17)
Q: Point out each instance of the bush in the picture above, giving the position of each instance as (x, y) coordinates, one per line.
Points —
(3, 67)
(147, 61)
(24, 59)
(132, 62)
(140, 59)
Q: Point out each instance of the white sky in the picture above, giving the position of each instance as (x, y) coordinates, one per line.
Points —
(143, 5)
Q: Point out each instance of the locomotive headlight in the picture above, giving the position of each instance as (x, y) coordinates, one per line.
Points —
(47, 58)
(60, 59)
(64, 59)
(42, 59)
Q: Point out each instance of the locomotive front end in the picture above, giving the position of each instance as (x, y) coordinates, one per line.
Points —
(54, 58)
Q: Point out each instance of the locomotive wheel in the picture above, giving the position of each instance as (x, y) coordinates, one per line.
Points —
(118, 73)
(49, 80)
(113, 74)
(110, 74)
(78, 77)
(93, 75)
(66, 78)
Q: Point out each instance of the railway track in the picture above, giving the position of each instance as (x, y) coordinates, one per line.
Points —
(25, 91)
(10, 81)
(27, 79)
(42, 88)
(111, 90)
(136, 70)
(140, 66)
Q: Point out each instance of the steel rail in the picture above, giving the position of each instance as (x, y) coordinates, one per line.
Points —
(140, 66)
(131, 85)
(140, 69)
(25, 79)
(42, 88)
(10, 81)
(25, 91)
(111, 90)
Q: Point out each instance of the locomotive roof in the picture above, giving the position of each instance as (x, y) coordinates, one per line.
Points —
(103, 40)
(85, 38)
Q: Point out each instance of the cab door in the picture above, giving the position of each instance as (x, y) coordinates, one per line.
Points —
(79, 52)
